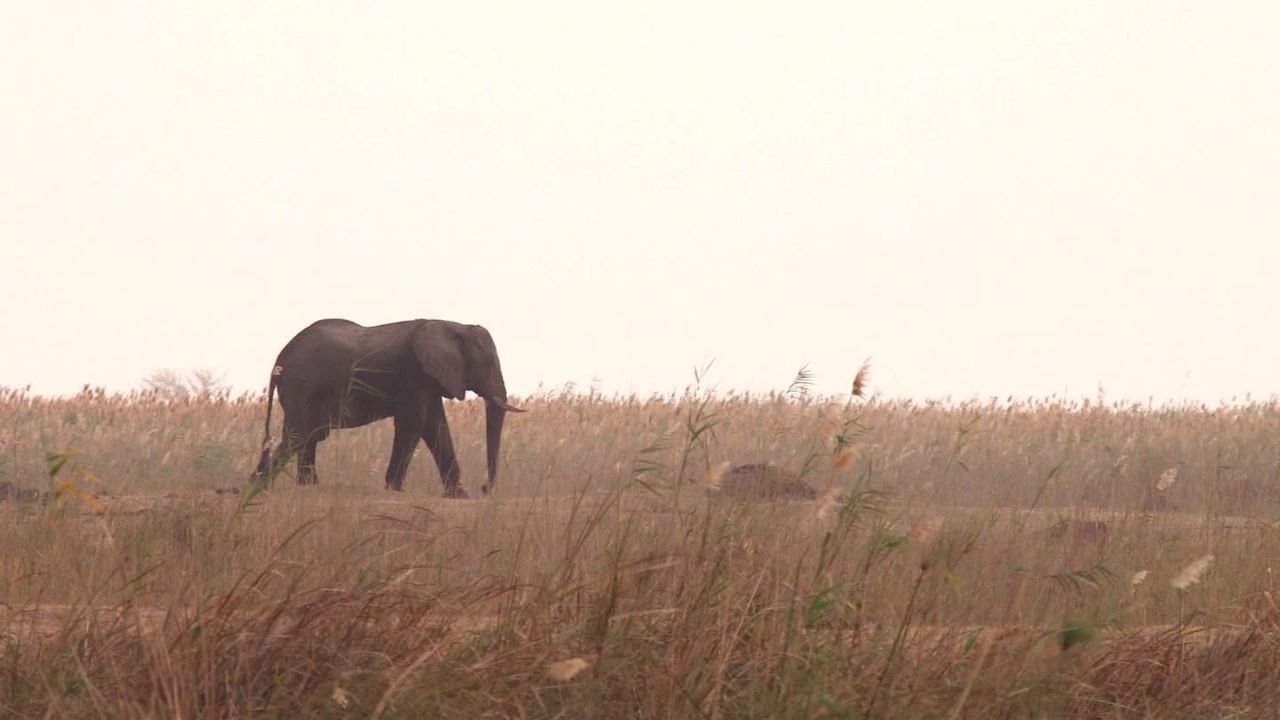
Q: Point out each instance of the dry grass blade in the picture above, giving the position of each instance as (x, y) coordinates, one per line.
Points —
(829, 428)
(394, 688)
(844, 457)
(1167, 479)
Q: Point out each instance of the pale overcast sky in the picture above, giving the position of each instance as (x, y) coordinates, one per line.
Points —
(988, 198)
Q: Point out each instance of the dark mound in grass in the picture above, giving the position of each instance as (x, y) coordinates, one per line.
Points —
(12, 493)
(761, 481)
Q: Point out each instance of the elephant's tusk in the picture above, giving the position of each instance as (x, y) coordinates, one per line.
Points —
(503, 405)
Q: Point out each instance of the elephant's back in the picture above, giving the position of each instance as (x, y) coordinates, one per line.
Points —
(332, 335)
(331, 326)
(335, 344)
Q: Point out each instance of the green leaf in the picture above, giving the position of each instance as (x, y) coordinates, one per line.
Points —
(953, 581)
(1076, 631)
(889, 540)
(819, 603)
(54, 462)
(1081, 580)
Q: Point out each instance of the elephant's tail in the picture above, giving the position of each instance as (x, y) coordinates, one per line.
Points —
(264, 460)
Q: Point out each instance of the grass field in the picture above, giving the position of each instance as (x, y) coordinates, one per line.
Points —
(1024, 559)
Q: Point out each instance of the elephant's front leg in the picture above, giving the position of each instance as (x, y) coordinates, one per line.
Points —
(435, 433)
(407, 428)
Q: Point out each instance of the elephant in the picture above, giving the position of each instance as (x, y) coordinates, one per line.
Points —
(339, 374)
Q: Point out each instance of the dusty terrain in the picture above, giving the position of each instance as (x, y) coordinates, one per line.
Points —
(1035, 560)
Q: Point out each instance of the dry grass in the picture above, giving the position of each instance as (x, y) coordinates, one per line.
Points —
(963, 560)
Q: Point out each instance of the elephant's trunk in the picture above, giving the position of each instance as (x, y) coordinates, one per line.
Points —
(495, 411)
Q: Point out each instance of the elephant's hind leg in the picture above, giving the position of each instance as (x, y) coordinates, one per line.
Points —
(304, 442)
(307, 463)
(273, 460)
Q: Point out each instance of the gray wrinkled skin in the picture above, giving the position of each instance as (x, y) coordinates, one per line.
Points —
(338, 374)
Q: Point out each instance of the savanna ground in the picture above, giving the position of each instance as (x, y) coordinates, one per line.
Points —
(1033, 559)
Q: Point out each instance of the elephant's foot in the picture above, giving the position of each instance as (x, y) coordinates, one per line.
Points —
(455, 492)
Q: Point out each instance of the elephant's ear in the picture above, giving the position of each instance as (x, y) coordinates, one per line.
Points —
(435, 345)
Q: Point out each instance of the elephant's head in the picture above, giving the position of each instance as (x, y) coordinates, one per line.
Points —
(461, 358)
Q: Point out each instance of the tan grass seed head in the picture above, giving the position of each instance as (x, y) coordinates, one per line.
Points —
(1191, 574)
(715, 475)
(861, 378)
(925, 529)
(1137, 579)
(829, 501)
(566, 670)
